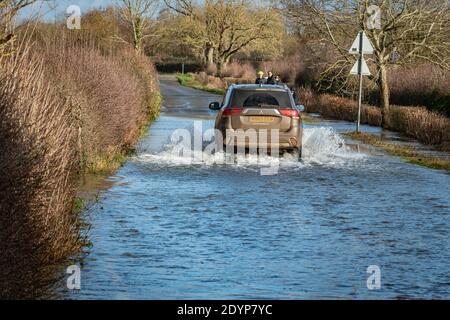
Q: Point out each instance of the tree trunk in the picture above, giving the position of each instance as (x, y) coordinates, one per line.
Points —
(220, 64)
(137, 47)
(383, 87)
(209, 56)
(138, 36)
(227, 61)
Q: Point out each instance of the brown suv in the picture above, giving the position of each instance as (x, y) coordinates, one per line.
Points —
(259, 110)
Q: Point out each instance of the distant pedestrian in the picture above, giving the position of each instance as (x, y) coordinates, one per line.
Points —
(260, 79)
(270, 78)
(294, 94)
(277, 80)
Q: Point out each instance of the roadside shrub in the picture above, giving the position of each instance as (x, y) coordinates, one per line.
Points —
(210, 81)
(422, 124)
(287, 69)
(37, 226)
(211, 70)
(238, 70)
(424, 85)
(65, 107)
(110, 96)
(417, 122)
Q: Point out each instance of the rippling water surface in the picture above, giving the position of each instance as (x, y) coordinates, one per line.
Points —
(169, 229)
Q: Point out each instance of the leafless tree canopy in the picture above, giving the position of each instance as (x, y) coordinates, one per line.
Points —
(409, 30)
(8, 10)
(138, 14)
(224, 27)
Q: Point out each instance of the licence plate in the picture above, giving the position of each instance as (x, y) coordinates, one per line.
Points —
(261, 119)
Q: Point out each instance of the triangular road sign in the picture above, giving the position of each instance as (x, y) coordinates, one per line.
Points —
(367, 47)
(364, 68)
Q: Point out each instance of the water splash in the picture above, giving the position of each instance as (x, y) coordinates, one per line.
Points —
(322, 146)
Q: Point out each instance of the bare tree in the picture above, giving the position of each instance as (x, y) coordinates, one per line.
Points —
(233, 26)
(10, 8)
(225, 27)
(193, 10)
(409, 30)
(8, 11)
(184, 7)
(138, 15)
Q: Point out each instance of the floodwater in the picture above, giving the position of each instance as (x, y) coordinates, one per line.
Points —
(170, 229)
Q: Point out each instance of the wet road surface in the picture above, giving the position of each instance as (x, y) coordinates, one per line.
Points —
(168, 229)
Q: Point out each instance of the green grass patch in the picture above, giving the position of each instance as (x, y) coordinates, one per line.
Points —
(154, 107)
(108, 162)
(410, 154)
(309, 120)
(188, 80)
(78, 205)
(184, 79)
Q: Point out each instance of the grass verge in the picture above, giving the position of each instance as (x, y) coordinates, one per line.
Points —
(188, 80)
(417, 122)
(309, 120)
(410, 154)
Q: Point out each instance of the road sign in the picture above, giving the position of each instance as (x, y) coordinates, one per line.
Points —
(360, 67)
(360, 46)
(367, 47)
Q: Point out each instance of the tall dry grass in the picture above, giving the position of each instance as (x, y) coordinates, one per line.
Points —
(37, 226)
(66, 106)
(424, 85)
(287, 68)
(212, 81)
(111, 96)
(426, 126)
(417, 122)
(239, 71)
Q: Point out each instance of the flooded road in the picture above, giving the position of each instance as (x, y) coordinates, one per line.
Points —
(167, 229)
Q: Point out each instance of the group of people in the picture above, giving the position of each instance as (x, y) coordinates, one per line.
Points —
(270, 79)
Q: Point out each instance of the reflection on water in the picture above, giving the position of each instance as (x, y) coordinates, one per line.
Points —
(170, 229)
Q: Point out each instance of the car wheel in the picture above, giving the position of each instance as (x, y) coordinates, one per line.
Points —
(298, 153)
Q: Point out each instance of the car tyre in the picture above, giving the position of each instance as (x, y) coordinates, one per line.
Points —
(298, 153)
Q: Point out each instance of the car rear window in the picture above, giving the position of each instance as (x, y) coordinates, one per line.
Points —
(256, 98)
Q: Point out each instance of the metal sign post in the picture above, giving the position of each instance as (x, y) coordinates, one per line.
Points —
(360, 46)
(358, 123)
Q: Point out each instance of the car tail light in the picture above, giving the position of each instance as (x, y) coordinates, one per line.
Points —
(290, 113)
(228, 112)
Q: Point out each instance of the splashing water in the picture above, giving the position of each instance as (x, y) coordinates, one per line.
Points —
(322, 146)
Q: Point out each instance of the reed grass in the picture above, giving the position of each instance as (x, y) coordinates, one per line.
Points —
(410, 154)
(67, 106)
(428, 127)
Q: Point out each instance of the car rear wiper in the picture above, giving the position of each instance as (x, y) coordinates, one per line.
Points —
(268, 105)
(261, 105)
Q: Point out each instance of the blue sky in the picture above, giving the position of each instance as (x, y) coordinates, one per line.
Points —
(44, 8)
